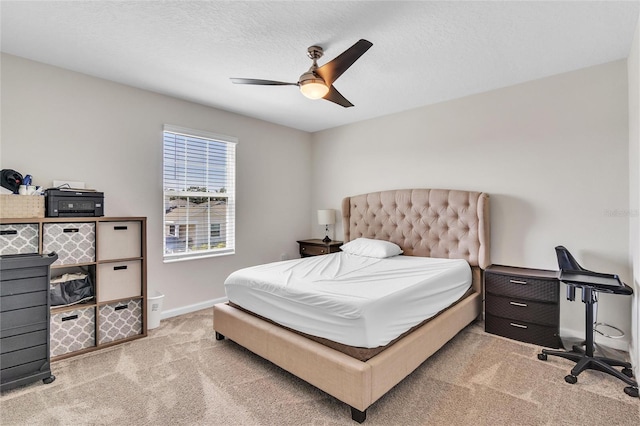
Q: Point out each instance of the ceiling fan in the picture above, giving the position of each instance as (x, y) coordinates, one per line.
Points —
(318, 81)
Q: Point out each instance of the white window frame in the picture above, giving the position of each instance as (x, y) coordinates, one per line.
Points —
(230, 195)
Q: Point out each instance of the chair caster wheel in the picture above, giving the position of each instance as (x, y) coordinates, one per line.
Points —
(627, 372)
(570, 378)
(49, 379)
(542, 357)
(631, 391)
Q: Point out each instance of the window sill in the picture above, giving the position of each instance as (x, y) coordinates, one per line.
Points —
(196, 257)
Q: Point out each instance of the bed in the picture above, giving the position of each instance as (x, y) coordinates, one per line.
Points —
(435, 223)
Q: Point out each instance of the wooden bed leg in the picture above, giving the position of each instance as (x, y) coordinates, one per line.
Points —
(219, 336)
(358, 416)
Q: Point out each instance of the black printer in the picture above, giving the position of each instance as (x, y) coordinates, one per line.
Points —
(73, 203)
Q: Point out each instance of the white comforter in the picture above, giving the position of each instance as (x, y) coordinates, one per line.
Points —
(354, 300)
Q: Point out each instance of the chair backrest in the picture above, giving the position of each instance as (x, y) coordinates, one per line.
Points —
(566, 262)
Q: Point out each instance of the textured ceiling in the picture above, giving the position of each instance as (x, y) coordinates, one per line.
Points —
(423, 51)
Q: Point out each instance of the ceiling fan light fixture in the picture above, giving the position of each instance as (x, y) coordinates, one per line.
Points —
(312, 86)
(317, 82)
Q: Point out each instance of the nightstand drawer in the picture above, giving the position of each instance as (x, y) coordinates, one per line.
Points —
(522, 287)
(522, 331)
(317, 247)
(308, 250)
(522, 310)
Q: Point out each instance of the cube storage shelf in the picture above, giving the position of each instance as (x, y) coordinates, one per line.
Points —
(112, 250)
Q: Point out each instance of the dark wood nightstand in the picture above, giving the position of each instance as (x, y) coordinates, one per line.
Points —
(317, 247)
(523, 304)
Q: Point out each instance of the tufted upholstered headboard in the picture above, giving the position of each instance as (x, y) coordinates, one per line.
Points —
(423, 222)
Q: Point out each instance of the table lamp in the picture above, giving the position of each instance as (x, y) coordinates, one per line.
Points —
(326, 217)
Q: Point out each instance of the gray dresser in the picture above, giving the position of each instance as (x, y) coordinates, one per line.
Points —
(24, 319)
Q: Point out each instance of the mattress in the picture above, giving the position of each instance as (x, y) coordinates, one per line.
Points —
(354, 300)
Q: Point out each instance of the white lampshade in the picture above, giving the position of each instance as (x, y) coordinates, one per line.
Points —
(326, 217)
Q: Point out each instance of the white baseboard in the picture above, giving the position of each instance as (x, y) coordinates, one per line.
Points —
(191, 308)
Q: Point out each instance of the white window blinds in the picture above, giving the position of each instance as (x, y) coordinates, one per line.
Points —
(199, 193)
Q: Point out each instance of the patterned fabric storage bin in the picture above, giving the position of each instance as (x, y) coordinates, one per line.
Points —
(74, 242)
(73, 330)
(119, 320)
(19, 238)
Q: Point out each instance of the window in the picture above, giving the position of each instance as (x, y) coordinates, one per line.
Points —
(199, 193)
(215, 230)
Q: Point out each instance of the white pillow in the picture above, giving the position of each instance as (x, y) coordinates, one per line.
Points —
(371, 248)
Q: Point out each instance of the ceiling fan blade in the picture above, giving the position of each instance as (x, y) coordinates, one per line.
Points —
(337, 98)
(261, 82)
(334, 69)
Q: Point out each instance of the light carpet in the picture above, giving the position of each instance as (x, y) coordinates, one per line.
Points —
(180, 375)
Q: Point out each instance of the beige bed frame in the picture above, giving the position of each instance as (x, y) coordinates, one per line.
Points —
(424, 222)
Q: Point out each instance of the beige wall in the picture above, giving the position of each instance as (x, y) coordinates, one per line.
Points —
(57, 124)
(633, 67)
(551, 152)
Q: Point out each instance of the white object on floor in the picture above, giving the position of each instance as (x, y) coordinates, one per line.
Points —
(154, 310)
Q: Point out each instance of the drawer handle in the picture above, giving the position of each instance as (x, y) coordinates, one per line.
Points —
(518, 282)
(118, 268)
(121, 307)
(518, 325)
(321, 250)
(69, 318)
(304, 248)
(9, 232)
(68, 230)
(524, 305)
(119, 228)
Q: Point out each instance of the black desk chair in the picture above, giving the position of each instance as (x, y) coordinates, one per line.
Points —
(574, 275)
